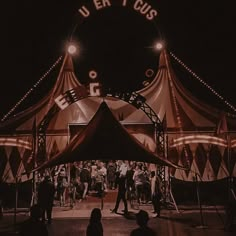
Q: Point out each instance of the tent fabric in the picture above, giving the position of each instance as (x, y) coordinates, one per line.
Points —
(105, 138)
(22, 122)
(16, 159)
(185, 115)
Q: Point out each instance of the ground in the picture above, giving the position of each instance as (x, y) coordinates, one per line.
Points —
(183, 221)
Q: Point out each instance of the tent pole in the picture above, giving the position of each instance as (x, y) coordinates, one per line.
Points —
(35, 135)
(16, 201)
(202, 226)
(169, 189)
(230, 189)
(102, 193)
(172, 197)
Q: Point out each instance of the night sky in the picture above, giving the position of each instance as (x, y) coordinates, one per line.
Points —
(117, 42)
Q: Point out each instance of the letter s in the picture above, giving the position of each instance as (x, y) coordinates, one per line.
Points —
(151, 14)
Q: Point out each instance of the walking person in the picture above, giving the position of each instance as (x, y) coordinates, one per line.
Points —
(95, 227)
(46, 193)
(122, 187)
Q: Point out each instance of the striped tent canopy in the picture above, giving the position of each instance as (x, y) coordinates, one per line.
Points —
(190, 125)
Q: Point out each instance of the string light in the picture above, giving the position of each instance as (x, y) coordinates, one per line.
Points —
(206, 85)
(203, 82)
(31, 89)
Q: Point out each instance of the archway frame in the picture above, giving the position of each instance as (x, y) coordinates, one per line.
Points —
(133, 98)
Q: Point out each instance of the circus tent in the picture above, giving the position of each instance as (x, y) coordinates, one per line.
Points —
(190, 125)
(104, 138)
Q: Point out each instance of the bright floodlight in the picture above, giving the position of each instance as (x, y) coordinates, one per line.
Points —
(159, 46)
(71, 49)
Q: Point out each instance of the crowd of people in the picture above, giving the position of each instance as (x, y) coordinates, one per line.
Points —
(133, 180)
(82, 178)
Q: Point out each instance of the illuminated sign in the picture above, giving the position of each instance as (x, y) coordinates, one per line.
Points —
(140, 6)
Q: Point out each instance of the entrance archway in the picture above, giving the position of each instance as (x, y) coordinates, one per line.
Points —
(75, 94)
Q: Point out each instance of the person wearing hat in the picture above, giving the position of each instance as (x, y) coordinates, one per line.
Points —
(143, 229)
(46, 193)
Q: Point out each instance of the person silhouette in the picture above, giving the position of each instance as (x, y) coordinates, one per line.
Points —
(156, 192)
(143, 229)
(46, 192)
(95, 225)
(122, 188)
(34, 226)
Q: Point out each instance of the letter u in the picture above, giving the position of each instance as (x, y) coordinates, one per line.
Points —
(145, 8)
(84, 11)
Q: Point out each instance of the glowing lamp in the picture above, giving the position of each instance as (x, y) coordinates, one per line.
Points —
(71, 49)
(159, 46)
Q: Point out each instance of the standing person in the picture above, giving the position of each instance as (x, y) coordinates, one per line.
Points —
(143, 229)
(130, 181)
(121, 188)
(46, 193)
(85, 179)
(156, 194)
(111, 175)
(62, 185)
(139, 179)
(93, 174)
(103, 171)
(99, 184)
(95, 227)
(72, 192)
(33, 226)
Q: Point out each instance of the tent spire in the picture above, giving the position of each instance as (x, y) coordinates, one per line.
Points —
(68, 64)
(163, 60)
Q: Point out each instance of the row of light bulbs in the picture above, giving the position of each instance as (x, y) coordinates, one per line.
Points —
(31, 90)
(203, 82)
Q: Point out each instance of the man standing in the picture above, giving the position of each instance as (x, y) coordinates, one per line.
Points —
(46, 193)
(156, 194)
(121, 181)
(85, 179)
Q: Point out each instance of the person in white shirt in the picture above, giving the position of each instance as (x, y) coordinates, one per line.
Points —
(103, 171)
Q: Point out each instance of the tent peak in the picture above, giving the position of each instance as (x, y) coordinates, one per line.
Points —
(68, 63)
(163, 60)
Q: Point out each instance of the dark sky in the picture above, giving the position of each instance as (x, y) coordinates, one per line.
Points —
(116, 42)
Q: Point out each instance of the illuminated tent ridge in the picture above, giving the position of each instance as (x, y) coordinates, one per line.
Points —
(104, 138)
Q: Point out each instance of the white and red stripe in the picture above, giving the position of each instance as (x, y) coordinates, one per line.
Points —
(15, 142)
(199, 139)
